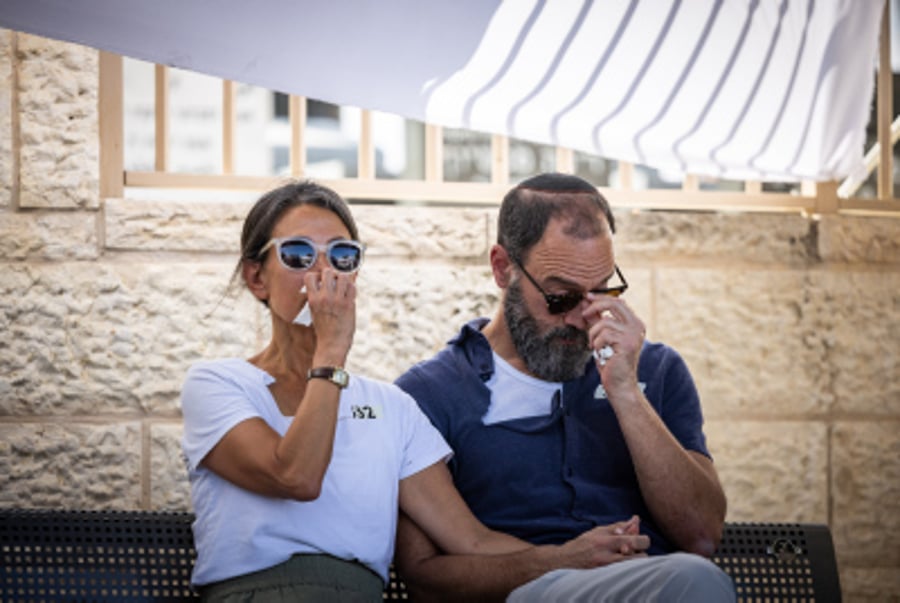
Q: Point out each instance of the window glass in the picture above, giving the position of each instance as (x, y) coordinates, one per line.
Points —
(332, 140)
(467, 156)
(399, 147)
(138, 106)
(255, 132)
(527, 159)
(195, 123)
(595, 170)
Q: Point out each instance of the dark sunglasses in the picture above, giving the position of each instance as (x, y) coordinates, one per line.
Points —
(560, 304)
(299, 253)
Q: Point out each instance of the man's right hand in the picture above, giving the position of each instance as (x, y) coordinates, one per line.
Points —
(433, 576)
(604, 545)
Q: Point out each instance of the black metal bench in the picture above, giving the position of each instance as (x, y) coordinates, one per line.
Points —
(64, 555)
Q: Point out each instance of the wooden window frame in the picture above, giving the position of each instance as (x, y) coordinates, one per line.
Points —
(815, 198)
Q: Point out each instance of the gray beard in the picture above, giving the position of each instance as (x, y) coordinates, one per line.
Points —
(544, 357)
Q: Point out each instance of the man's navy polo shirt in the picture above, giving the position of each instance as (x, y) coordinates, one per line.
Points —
(548, 479)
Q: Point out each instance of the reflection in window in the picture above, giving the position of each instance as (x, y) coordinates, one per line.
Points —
(399, 147)
(527, 159)
(195, 123)
(138, 104)
(595, 170)
(331, 137)
(467, 156)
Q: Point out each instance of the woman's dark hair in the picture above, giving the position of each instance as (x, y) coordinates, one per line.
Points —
(528, 208)
(268, 210)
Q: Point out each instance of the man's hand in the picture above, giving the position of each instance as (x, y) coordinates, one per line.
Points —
(681, 487)
(435, 576)
(616, 328)
(604, 545)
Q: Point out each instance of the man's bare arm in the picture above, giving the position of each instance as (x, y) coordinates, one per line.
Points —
(681, 487)
(433, 576)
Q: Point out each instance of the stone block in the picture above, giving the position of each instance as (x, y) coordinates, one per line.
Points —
(730, 237)
(641, 294)
(169, 486)
(858, 239)
(431, 233)
(772, 470)
(89, 338)
(757, 341)
(7, 177)
(204, 226)
(492, 214)
(871, 584)
(407, 312)
(57, 105)
(75, 464)
(866, 492)
(49, 236)
(860, 314)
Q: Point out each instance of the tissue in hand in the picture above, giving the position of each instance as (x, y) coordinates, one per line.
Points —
(304, 317)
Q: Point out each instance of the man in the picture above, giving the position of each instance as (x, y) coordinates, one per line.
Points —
(567, 427)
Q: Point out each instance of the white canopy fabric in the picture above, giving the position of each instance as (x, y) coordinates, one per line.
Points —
(740, 89)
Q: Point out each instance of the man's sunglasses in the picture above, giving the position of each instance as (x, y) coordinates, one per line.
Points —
(299, 253)
(560, 304)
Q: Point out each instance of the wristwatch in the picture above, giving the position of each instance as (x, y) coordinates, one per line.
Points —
(335, 374)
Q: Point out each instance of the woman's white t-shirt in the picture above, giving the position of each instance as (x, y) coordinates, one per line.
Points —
(381, 437)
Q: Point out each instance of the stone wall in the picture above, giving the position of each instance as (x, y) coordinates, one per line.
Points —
(791, 326)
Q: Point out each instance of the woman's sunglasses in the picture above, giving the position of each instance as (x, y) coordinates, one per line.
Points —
(560, 304)
(299, 253)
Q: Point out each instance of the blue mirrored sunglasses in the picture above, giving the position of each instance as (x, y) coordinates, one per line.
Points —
(300, 253)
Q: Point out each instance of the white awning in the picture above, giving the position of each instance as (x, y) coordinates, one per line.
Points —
(739, 89)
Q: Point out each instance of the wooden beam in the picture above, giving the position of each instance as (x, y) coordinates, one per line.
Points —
(852, 182)
(808, 188)
(162, 118)
(565, 160)
(885, 108)
(626, 176)
(480, 193)
(297, 116)
(111, 111)
(500, 159)
(870, 207)
(434, 153)
(229, 124)
(366, 151)
(752, 187)
(690, 183)
(826, 194)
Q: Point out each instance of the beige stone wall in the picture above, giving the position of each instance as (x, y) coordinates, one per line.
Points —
(790, 326)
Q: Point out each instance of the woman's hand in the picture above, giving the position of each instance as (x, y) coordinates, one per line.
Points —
(331, 296)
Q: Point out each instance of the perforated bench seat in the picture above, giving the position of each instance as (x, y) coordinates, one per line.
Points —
(109, 556)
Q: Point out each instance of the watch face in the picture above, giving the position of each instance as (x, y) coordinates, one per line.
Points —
(341, 377)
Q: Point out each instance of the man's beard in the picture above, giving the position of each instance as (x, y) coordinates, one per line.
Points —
(544, 355)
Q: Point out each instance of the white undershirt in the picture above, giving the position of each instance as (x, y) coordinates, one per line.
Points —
(515, 395)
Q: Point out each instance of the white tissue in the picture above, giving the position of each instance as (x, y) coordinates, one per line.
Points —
(305, 316)
(603, 354)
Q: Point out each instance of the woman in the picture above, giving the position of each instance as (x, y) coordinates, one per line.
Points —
(297, 468)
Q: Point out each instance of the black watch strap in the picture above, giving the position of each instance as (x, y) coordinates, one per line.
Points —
(335, 374)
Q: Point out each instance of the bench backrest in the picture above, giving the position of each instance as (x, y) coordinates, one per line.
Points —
(56, 555)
